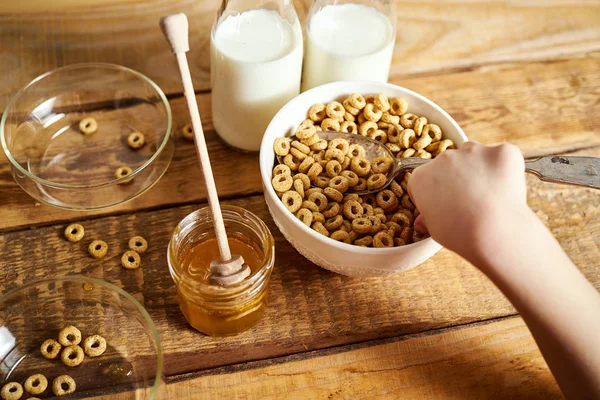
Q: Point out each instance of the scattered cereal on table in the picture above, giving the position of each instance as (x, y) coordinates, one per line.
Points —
(136, 140)
(138, 244)
(188, 132)
(12, 391)
(63, 385)
(122, 172)
(98, 249)
(50, 349)
(74, 232)
(94, 345)
(130, 260)
(72, 356)
(36, 384)
(69, 336)
(88, 126)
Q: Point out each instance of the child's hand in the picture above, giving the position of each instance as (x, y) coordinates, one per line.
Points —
(466, 193)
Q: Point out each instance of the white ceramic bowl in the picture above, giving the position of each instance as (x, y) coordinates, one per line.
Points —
(327, 253)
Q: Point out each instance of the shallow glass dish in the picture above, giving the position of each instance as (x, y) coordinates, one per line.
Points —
(53, 161)
(130, 368)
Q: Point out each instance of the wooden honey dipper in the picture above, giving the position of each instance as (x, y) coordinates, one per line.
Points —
(229, 269)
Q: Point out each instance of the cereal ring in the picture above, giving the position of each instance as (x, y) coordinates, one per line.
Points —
(50, 349)
(394, 148)
(310, 205)
(335, 154)
(12, 391)
(419, 124)
(94, 345)
(352, 235)
(407, 138)
(383, 239)
(384, 126)
(404, 182)
(360, 119)
(382, 218)
(319, 227)
(399, 242)
(330, 125)
(357, 101)
(63, 385)
(72, 356)
(349, 109)
(364, 241)
(98, 249)
(417, 237)
(361, 186)
(349, 127)
(138, 244)
(305, 215)
(352, 196)
(333, 223)
(367, 127)
(387, 200)
(69, 336)
(388, 118)
(351, 177)
(376, 181)
(318, 217)
(292, 162)
(362, 225)
(187, 132)
(132, 260)
(381, 165)
(307, 122)
(372, 112)
(292, 200)
(379, 135)
(304, 179)
(408, 213)
(340, 144)
(281, 146)
(423, 142)
(339, 183)
(423, 154)
(335, 110)
(35, 384)
(401, 219)
(333, 194)
(317, 112)
(356, 150)
(353, 209)
(433, 131)
(74, 232)
(394, 133)
(282, 169)
(360, 166)
(136, 140)
(370, 200)
(311, 140)
(122, 172)
(407, 235)
(282, 183)
(302, 147)
(349, 117)
(347, 226)
(297, 154)
(319, 199)
(321, 181)
(398, 106)
(306, 164)
(346, 163)
(377, 224)
(378, 210)
(88, 125)
(333, 168)
(407, 120)
(381, 101)
(314, 171)
(408, 153)
(313, 190)
(320, 145)
(407, 203)
(341, 236)
(306, 132)
(331, 210)
(368, 209)
(396, 189)
(439, 147)
(393, 228)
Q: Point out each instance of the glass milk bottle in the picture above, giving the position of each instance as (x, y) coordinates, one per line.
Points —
(349, 40)
(256, 67)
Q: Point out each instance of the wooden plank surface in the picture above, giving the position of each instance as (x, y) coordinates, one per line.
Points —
(38, 36)
(310, 307)
(544, 108)
(499, 360)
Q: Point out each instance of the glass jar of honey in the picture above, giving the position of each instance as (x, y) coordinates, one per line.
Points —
(213, 309)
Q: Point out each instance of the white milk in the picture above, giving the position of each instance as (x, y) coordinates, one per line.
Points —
(348, 42)
(256, 62)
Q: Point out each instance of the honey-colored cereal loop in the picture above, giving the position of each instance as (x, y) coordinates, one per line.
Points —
(399, 242)
(12, 391)
(362, 225)
(313, 190)
(304, 179)
(394, 148)
(311, 140)
(98, 249)
(433, 131)
(346, 163)
(294, 152)
(352, 196)
(292, 162)
(401, 219)
(282, 169)
(282, 183)
(319, 199)
(340, 144)
(320, 228)
(292, 200)
(393, 228)
(398, 106)
(318, 217)
(306, 164)
(370, 200)
(383, 239)
(323, 163)
(74, 232)
(69, 336)
(351, 177)
(305, 215)
(333, 194)
(300, 146)
(317, 112)
(333, 223)
(310, 205)
(368, 208)
(382, 102)
(366, 128)
(381, 165)
(299, 187)
(122, 172)
(132, 260)
(417, 237)
(378, 210)
(187, 132)
(408, 153)
(364, 241)
(333, 168)
(63, 385)
(353, 209)
(407, 203)
(357, 101)
(356, 150)
(361, 185)
(384, 126)
(349, 127)
(88, 126)
(407, 138)
(321, 181)
(331, 125)
(318, 155)
(424, 141)
(378, 226)
(379, 135)
(444, 145)
(331, 210)
(314, 171)
(94, 345)
(408, 213)
(407, 234)
(390, 119)
(72, 356)
(407, 120)
(306, 132)
(35, 384)
(349, 117)
(138, 243)
(349, 109)
(372, 112)
(419, 124)
(361, 119)
(387, 200)
(404, 182)
(360, 166)
(423, 154)
(334, 154)
(335, 110)
(352, 235)
(340, 184)
(394, 133)
(281, 146)
(50, 349)
(346, 226)
(376, 181)
(136, 140)
(341, 236)
(396, 189)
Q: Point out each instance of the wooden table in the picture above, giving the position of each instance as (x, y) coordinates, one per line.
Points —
(523, 72)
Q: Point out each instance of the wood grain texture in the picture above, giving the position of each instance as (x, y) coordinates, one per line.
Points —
(310, 308)
(499, 360)
(39, 36)
(544, 108)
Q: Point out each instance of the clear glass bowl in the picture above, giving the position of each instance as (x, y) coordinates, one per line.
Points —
(132, 364)
(57, 164)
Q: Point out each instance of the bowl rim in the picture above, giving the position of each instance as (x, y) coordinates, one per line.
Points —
(333, 86)
(76, 66)
(84, 279)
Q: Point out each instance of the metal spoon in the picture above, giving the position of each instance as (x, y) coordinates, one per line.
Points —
(580, 171)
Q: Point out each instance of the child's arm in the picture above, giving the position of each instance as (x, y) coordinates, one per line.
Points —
(473, 201)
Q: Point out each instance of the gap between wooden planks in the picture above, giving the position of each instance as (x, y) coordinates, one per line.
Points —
(544, 108)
